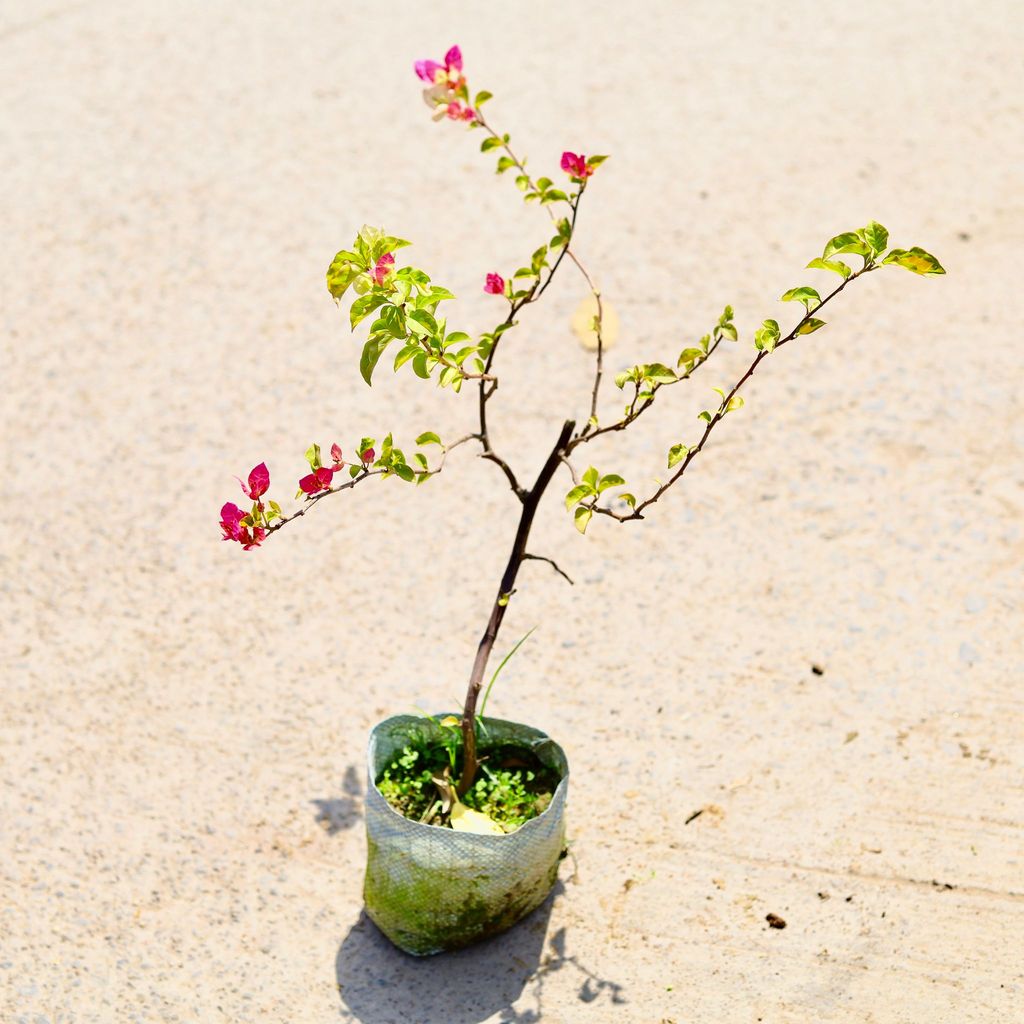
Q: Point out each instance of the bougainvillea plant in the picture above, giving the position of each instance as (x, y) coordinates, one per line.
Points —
(404, 303)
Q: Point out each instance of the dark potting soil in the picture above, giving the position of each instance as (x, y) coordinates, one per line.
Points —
(511, 786)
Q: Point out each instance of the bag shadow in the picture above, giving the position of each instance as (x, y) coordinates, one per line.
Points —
(379, 984)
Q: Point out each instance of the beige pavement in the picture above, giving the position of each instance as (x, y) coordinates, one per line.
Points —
(182, 725)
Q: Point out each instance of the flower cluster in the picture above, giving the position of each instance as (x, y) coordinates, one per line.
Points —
(322, 476)
(249, 528)
(447, 93)
(495, 284)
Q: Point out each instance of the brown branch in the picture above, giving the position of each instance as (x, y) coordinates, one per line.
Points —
(505, 589)
(637, 513)
(365, 474)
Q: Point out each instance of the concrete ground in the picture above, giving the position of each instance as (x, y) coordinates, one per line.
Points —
(182, 725)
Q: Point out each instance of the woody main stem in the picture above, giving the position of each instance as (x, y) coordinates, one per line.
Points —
(531, 501)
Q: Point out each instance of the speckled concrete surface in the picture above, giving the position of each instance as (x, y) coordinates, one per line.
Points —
(182, 725)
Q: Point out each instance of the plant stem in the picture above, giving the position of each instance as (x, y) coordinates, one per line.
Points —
(531, 500)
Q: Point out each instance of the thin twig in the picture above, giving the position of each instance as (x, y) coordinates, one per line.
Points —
(554, 565)
(634, 411)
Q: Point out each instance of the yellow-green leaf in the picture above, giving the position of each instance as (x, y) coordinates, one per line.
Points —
(676, 454)
(582, 517)
(810, 326)
(916, 260)
(836, 266)
(804, 294)
(876, 236)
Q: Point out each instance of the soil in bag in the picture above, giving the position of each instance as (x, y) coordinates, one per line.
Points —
(511, 787)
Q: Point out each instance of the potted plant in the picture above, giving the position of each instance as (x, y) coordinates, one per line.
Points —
(465, 814)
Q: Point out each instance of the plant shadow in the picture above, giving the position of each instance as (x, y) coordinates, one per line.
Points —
(379, 984)
(338, 814)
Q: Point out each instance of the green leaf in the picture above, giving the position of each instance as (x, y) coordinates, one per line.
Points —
(427, 324)
(449, 375)
(848, 241)
(522, 182)
(810, 326)
(804, 294)
(364, 306)
(554, 195)
(596, 161)
(736, 402)
(504, 163)
(876, 236)
(372, 351)
(622, 378)
(429, 437)
(420, 365)
(590, 477)
(629, 499)
(766, 336)
(916, 260)
(313, 457)
(676, 454)
(577, 494)
(581, 517)
(659, 374)
(406, 353)
(489, 143)
(609, 480)
(704, 415)
(392, 320)
(836, 266)
(728, 331)
(405, 472)
(344, 269)
(689, 356)
(481, 98)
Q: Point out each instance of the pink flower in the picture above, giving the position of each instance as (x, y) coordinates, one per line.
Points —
(231, 517)
(384, 266)
(317, 481)
(253, 540)
(495, 284)
(259, 481)
(449, 72)
(336, 456)
(368, 456)
(455, 111)
(576, 166)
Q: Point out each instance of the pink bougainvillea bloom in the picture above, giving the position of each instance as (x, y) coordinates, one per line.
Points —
(336, 455)
(383, 267)
(368, 456)
(455, 111)
(231, 517)
(576, 166)
(259, 481)
(450, 71)
(495, 284)
(317, 481)
(252, 540)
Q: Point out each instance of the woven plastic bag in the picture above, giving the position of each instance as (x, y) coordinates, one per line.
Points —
(430, 889)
